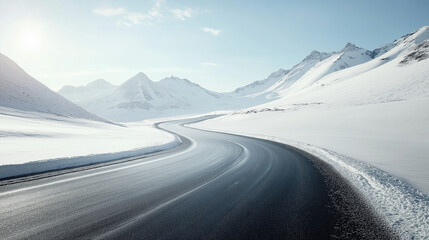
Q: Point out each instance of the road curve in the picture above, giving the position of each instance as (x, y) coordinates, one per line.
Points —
(214, 186)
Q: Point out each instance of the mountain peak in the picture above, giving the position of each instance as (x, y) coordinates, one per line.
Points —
(100, 80)
(350, 47)
(140, 79)
(421, 34)
(172, 79)
(316, 55)
(142, 76)
(99, 83)
(278, 74)
(423, 29)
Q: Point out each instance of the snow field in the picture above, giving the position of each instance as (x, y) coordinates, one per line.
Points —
(37, 142)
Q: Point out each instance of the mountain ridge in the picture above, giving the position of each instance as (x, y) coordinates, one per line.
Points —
(175, 93)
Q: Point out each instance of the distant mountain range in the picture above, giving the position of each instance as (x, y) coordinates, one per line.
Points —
(140, 98)
(93, 90)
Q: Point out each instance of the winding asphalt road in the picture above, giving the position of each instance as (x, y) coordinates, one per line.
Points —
(213, 186)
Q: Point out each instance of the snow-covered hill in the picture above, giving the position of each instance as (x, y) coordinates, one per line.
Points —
(33, 142)
(18, 90)
(93, 90)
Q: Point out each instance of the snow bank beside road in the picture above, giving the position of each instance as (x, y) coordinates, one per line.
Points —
(37, 142)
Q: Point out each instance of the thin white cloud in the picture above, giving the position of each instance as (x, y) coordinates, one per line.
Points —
(134, 18)
(183, 14)
(155, 12)
(123, 23)
(213, 31)
(108, 12)
(209, 64)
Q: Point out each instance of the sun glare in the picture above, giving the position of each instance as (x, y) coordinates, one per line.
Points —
(30, 37)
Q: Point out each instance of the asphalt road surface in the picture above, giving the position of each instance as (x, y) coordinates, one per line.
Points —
(213, 186)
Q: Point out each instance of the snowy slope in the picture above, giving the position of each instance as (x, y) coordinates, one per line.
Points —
(299, 70)
(93, 90)
(370, 121)
(313, 68)
(349, 56)
(307, 72)
(37, 142)
(19, 90)
(268, 90)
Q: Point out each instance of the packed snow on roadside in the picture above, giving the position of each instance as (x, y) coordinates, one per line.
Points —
(370, 121)
(36, 142)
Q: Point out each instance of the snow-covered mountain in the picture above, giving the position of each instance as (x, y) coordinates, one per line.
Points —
(93, 90)
(268, 90)
(349, 56)
(18, 90)
(310, 70)
(399, 74)
(141, 98)
(393, 72)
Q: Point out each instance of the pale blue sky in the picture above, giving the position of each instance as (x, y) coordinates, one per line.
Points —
(220, 45)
